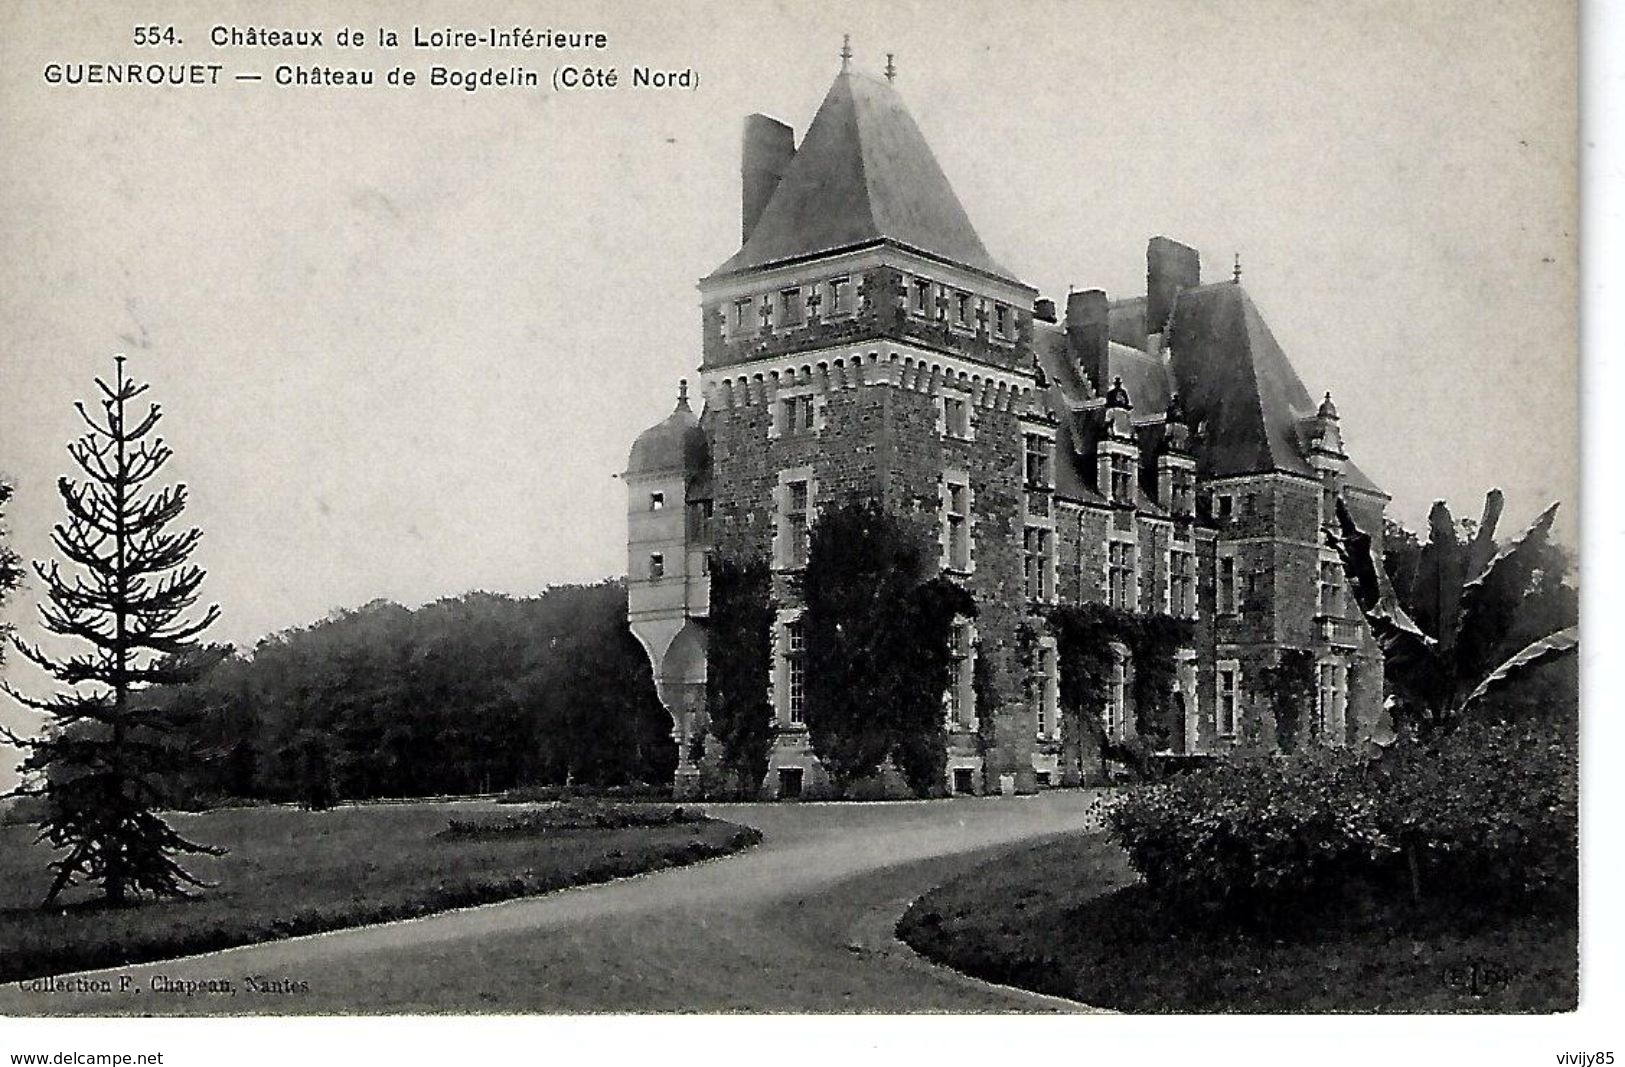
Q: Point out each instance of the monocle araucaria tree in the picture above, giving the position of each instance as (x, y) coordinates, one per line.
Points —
(120, 593)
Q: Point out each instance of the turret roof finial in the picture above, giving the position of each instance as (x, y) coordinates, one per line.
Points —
(1235, 275)
(846, 50)
(891, 68)
(682, 392)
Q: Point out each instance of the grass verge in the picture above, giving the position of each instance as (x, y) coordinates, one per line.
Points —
(1067, 918)
(296, 872)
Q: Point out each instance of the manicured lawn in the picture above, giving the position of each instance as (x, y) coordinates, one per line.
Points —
(1065, 917)
(296, 872)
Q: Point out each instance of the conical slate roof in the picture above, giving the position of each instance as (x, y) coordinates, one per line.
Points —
(863, 173)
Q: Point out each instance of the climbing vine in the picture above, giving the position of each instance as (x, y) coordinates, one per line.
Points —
(1290, 685)
(741, 649)
(1084, 638)
(877, 628)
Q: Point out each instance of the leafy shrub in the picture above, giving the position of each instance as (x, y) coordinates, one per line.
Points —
(532, 794)
(1489, 812)
(576, 815)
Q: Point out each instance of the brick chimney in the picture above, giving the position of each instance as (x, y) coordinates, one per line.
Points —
(1169, 267)
(769, 145)
(1088, 333)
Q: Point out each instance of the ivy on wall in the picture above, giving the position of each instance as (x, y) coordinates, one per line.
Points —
(877, 628)
(1290, 686)
(740, 657)
(1084, 638)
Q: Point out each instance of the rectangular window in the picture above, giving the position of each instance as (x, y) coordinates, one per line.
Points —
(790, 307)
(922, 297)
(1122, 479)
(956, 701)
(657, 501)
(1331, 702)
(962, 308)
(1036, 542)
(1117, 700)
(1331, 588)
(958, 519)
(1120, 574)
(699, 520)
(1181, 583)
(1040, 468)
(1046, 693)
(956, 417)
(1183, 500)
(795, 673)
(742, 316)
(796, 414)
(797, 496)
(1001, 320)
(1225, 506)
(1227, 585)
(1229, 697)
(840, 295)
(657, 566)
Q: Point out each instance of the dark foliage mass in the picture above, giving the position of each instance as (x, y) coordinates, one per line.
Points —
(740, 652)
(472, 694)
(1467, 618)
(118, 606)
(1474, 802)
(877, 628)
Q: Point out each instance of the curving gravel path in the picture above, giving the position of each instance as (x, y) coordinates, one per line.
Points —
(802, 923)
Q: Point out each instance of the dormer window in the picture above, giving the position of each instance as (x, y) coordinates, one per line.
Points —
(657, 501)
(1039, 465)
(1122, 479)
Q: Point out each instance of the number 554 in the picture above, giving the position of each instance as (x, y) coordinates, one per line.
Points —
(155, 35)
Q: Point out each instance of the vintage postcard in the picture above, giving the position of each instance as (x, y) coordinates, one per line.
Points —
(977, 509)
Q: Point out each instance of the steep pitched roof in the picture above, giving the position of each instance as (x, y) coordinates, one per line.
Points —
(1237, 382)
(863, 173)
(1231, 375)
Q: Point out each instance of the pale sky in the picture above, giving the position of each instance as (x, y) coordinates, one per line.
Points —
(405, 337)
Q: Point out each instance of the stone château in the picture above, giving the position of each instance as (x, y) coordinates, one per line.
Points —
(1156, 453)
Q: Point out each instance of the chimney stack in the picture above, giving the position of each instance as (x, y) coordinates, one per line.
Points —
(1088, 334)
(1169, 267)
(769, 145)
(1044, 309)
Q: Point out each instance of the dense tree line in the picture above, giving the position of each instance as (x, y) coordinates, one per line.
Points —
(476, 693)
